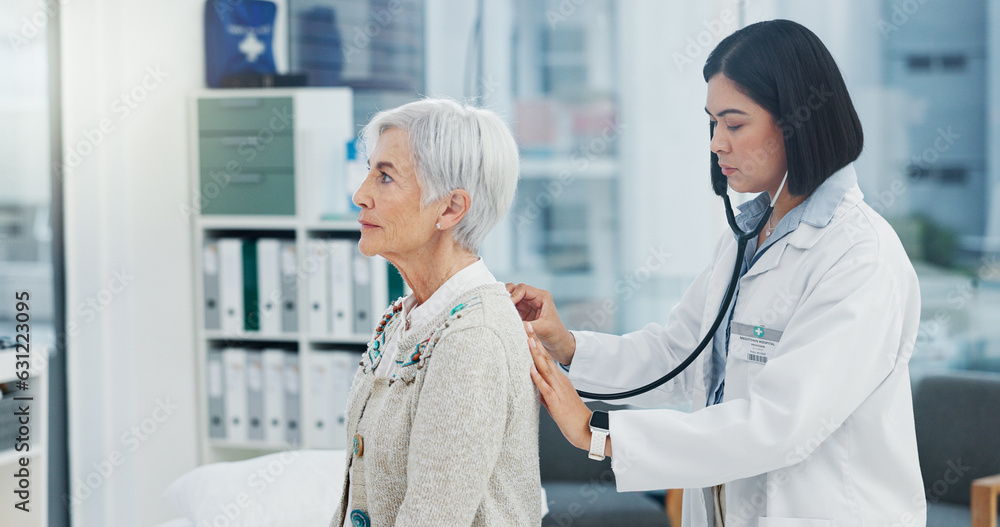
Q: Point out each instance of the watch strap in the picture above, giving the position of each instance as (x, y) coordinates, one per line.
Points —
(597, 440)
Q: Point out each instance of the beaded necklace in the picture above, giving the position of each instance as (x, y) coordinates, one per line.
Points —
(378, 342)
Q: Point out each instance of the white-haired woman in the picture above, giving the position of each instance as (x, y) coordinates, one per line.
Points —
(442, 417)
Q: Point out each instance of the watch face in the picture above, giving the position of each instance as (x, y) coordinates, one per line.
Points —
(599, 419)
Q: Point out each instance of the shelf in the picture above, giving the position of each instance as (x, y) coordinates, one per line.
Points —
(576, 167)
(334, 225)
(321, 118)
(250, 337)
(251, 445)
(276, 223)
(288, 338)
(255, 223)
(11, 456)
(334, 340)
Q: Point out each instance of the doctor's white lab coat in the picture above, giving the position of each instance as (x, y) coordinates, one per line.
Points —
(822, 433)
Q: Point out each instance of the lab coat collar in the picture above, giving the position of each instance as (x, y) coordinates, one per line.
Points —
(817, 210)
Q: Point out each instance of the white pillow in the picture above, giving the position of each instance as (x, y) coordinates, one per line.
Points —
(292, 488)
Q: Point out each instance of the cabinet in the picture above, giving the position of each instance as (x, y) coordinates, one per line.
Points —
(284, 302)
(10, 428)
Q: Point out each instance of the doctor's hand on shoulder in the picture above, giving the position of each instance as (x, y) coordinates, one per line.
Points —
(550, 341)
(536, 306)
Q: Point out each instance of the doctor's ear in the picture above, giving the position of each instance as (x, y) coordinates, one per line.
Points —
(456, 206)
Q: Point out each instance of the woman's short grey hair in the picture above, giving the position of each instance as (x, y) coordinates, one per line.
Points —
(456, 146)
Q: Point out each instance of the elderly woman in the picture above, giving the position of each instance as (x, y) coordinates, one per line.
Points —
(442, 415)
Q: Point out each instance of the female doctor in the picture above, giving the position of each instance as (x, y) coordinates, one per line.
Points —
(802, 411)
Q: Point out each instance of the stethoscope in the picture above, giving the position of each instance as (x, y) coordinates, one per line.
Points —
(720, 186)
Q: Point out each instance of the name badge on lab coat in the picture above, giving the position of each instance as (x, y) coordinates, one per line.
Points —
(752, 343)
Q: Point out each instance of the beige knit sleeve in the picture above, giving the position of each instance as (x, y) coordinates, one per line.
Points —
(458, 429)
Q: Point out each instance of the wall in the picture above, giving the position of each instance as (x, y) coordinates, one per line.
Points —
(24, 106)
(670, 218)
(127, 70)
(993, 123)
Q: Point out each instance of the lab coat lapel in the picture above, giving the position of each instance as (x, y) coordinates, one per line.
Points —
(714, 295)
(770, 259)
(805, 236)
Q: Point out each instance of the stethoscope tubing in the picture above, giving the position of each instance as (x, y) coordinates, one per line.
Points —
(742, 238)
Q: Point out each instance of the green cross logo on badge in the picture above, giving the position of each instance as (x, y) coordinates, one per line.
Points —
(759, 331)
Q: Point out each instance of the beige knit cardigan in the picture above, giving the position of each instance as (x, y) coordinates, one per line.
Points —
(451, 437)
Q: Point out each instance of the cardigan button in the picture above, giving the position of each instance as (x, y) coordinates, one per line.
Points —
(359, 518)
(359, 445)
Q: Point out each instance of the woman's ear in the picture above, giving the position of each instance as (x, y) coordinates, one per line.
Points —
(457, 205)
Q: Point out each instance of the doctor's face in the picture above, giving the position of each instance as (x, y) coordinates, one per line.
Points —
(746, 138)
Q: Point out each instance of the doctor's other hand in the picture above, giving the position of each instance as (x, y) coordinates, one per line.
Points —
(558, 395)
(536, 306)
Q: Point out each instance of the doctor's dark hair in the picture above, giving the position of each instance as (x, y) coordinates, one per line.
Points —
(786, 69)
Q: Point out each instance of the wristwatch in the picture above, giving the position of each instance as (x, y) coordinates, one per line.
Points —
(599, 433)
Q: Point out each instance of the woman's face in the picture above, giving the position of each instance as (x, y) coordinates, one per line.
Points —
(747, 139)
(392, 223)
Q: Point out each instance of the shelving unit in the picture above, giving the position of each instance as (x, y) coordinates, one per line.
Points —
(37, 516)
(310, 153)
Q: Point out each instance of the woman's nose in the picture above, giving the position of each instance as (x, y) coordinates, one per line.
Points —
(718, 144)
(362, 197)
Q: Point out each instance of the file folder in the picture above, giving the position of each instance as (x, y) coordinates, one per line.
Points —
(269, 285)
(274, 396)
(210, 272)
(394, 283)
(293, 401)
(321, 398)
(344, 364)
(341, 287)
(319, 288)
(216, 395)
(289, 288)
(231, 284)
(251, 304)
(255, 395)
(362, 294)
(234, 361)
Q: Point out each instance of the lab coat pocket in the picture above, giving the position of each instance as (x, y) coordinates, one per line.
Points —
(793, 522)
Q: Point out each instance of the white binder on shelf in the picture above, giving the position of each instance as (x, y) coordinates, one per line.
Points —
(363, 324)
(255, 395)
(234, 362)
(321, 429)
(231, 284)
(380, 287)
(210, 272)
(315, 266)
(293, 399)
(273, 361)
(269, 285)
(344, 365)
(289, 287)
(341, 287)
(216, 395)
